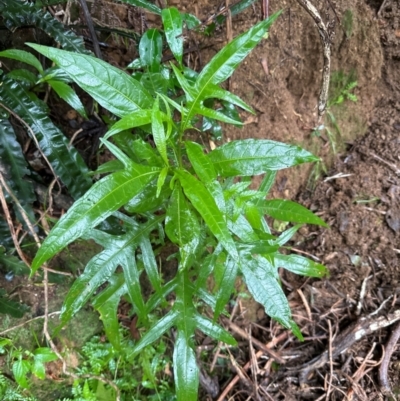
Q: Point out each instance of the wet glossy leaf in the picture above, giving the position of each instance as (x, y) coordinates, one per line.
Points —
(150, 49)
(109, 86)
(144, 4)
(287, 235)
(107, 304)
(226, 284)
(155, 82)
(200, 162)
(286, 210)
(105, 197)
(101, 267)
(226, 60)
(147, 201)
(20, 370)
(137, 118)
(132, 276)
(213, 330)
(161, 180)
(172, 21)
(164, 324)
(16, 13)
(256, 156)
(265, 289)
(65, 160)
(186, 371)
(24, 56)
(181, 223)
(158, 131)
(205, 204)
(68, 94)
(23, 76)
(299, 265)
(150, 263)
(15, 169)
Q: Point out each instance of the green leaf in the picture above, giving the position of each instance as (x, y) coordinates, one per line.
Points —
(216, 115)
(109, 86)
(20, 369)
(164, 324)
(68, 94)
(107, 304)
(205, 204)
(256, 156)
(150, 263)
(23, 75)
(158, 131)
(118, 153)
(213, 330)
(144, 4)
(186, 371)
(100, 268)
(132, 275)
(136, 119)
(214, 91)
(299, 265)
(181, 224)
(200, 162)
(226, 282)
(12, 263)
(104, 198)
(14, 168)
(172, 21)
(9, 307)
(150, 49)
(287, 235)
(161, 180)
(265, 289)
(24, 56)
(65, 160)
(44, 354)
(16, 14)
(286, 210)
(147, 201)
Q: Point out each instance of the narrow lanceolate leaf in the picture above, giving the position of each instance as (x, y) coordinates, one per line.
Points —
(150, 263)
(224, 63)
(102, 266)
(265, 289)
(286, 210)
(16, 13)
(68, 94)
(226, 283)
(24, 56)
(132, 275)
(109, 86)
(256, 156)
(213, 330)
(147, 5)
(172, 21)
(158, 131)
(65, 160)
(107, 304)
(181, 224)
(104, 198)
(299, 265)
(137, 118)
(205, 204)
(184, 305)
(200, 162)
(14, 168)
(164, 324)
(150, 49)
(186, 371)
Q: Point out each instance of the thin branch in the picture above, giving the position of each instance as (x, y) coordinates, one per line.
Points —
(326, 44)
